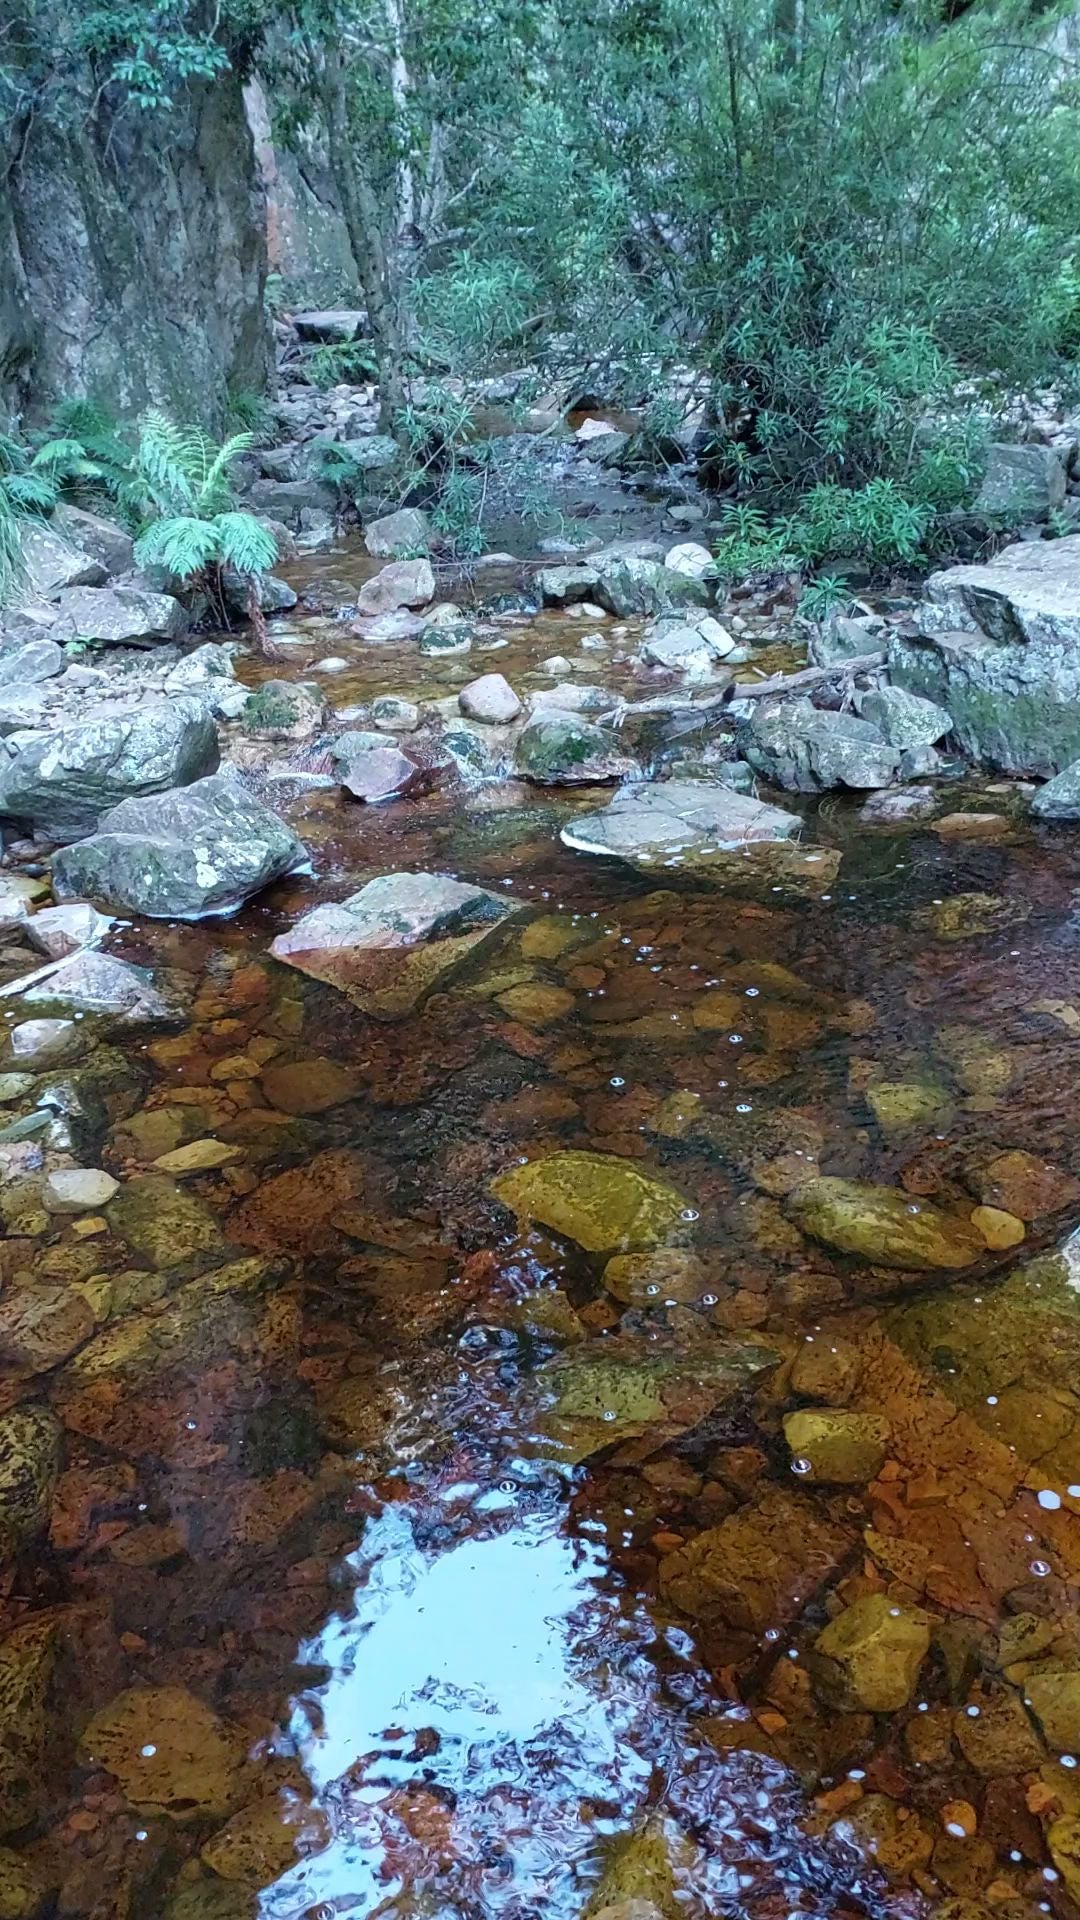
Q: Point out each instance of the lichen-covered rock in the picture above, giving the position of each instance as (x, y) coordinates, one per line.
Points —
(602, 1202)
(284, 710)
(119, 616)
(562, 749)
(30, 1451)
(884, 1225)
(265, 1839)
(629, 584)
(1021, 483)
(388, 946)
(803, 748)
(27, 1658)
(201, 850)
(847, 1449)
(51, 563)
(62, 783)
(905, 719)
(868, 1659)
(112, 991)
(760, 1567)
(164, 1226)
(170, 1755)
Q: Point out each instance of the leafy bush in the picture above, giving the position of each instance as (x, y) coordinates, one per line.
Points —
(198, 533)
(341, 363)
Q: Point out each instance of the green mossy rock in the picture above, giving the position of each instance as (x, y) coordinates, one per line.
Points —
(884, 1225)
(22, 1890)
(602, 1202)
(170, 1754)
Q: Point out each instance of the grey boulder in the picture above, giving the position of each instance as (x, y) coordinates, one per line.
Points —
(397, 532)
(201, 850)
(1021, 483)
(404, 583)
(561, 749)
(1060, 798)
(905, 719)
(50, 563)
(805, 750)
(26, 665)
(62, 783)
(119, 616)
(99, 539)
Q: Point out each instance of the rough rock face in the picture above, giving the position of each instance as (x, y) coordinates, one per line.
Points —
(389, 945)
(63, 782)
(119, 616)
(802, 748)
(52, 561)
(152, 250)
(562, 749)
(201, 849)
(1021, 483)
(999, 647)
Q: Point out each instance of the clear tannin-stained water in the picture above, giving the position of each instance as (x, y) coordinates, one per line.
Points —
(375, 1551)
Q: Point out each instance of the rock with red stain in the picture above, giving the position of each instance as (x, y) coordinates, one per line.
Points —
(379, 773)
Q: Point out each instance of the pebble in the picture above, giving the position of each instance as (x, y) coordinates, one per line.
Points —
(79, 1190)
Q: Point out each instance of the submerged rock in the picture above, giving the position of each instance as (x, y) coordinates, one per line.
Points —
(170, 1755)
(868, 1659)
(95, 983)
(846, 1449)
(30, 1451)
(884, 1225)
(562, 749)
(389, 945)
(760, 1567)
(27, 1658)
(62, 783)
(602, 1202)
(1024, 1186)
(263, 1841)
(164, 1226)
(591, 1398)
(202, 850)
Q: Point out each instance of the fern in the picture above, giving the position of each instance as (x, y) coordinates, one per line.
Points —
(182, 543)
(245, 543)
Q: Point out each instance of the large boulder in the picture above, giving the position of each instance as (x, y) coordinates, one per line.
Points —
(406, 531)
(50, 563)
(404, 583)
(119, 616)
(998, 646)
(562, 749)
(806, 749)
(202, 849)
(631, 584)
(99, 539)
(1021, 484)
(34, 661)
(403, 934)
(62, 783)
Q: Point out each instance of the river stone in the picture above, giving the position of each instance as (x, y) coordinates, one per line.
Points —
(1054, 1698)
(62, 783)
(897, 806)
(392, 715)
(1025, 1186)
(30, 1450)
(401, 532)
(119, 616)
(845, 1449)
(403, 583)
(23, 1887)
(27, 1658)
(42, 1325)
(198, 1156)
(58, 931)
(690, 558)
(377, 773)
(1000, 1739)
(760, 1567)
(79, 1190)
(901, 1107)
(201, 850)
(164, 1226)
(267, 1838)
(693, 824)
(169, 1753)
(883, 1225)
(868, 1659)
(669, 1276)
(998, 645)
(1021, 484)
(562, 749)
(684, 647)
(602, 1202)
(42, 1043)
(802, 748)
(491, 699)
(88, 982)
(388, 946)
(905, 719)
(284, 710)
(596, 1397)
(630, 584)
(310, 1086)
(564, 586)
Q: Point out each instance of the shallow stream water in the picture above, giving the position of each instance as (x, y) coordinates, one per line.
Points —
(334, 1617)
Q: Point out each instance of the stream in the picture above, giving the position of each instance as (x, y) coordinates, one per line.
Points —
(349, 1606)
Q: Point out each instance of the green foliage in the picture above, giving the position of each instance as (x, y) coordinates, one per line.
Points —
(197, 531)
(91, 461)
(341, 362)
(469, 312)
(152, 50)
(249, 412)
(822, 597)
(27, 492)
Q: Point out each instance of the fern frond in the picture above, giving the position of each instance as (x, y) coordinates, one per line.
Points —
(11, 553)
(244, 542)
(30, 492)
(182, 543)
(216, 493)
(171, 461)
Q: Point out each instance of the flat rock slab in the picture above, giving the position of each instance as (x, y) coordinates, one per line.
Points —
(202, 849)
(884, 1225)
(389, 945)
(605, 1203)
(680, 823)
(119, 616)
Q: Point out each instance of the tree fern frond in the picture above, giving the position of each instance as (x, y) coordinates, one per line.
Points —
(244, 542)
(216, 491)
(182, 543)
(170, 459)
(11, 553)
(30, 492)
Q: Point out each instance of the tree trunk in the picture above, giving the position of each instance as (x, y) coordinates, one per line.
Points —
(364, 226)
(263, 644)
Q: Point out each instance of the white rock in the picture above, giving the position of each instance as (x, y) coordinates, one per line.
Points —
(79, 1190)
(42, 1043)
(490, 699)
(689, 558)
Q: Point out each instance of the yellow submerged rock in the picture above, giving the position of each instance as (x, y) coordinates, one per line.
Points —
(603, 1202)
(170, 1753)
(884, 1225)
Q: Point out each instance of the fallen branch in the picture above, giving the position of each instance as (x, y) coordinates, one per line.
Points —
(782, 683)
